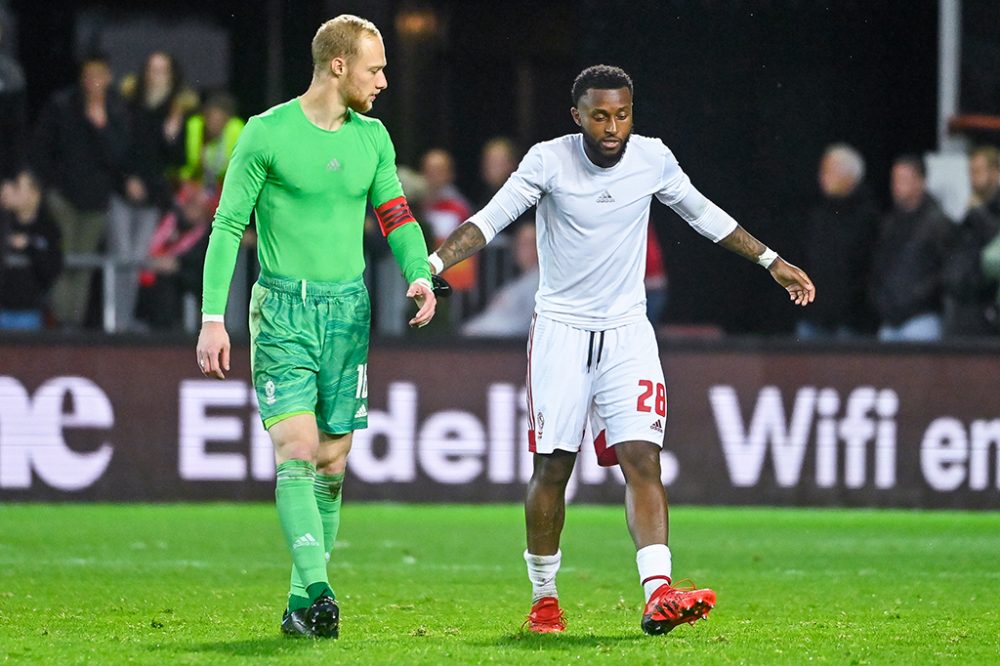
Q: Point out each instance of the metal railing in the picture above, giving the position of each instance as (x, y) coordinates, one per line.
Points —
(497, 269)
(110, 266)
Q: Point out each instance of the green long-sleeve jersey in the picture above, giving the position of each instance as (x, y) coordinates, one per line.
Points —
(309, 188)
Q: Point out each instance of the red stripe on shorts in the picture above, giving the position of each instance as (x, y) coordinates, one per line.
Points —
(531, 404)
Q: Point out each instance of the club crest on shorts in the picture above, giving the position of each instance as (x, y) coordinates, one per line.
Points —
(539, 424)
(269, 392)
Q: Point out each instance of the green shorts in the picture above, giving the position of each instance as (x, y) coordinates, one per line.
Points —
(309, 351)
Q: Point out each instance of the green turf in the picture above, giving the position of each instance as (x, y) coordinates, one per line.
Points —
(185, 584)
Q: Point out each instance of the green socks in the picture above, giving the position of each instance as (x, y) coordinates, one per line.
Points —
(303, 528)
(327, 495)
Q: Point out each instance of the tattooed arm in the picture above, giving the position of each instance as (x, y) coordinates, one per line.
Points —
(743, 243)
(461, 244)
(521, 191)
(717, 225)
(795, 281)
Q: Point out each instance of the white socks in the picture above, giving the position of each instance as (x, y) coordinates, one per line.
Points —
(653, 562)
(542, 571)
(654, 567)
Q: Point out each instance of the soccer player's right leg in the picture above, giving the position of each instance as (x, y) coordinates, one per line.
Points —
(560, 375)
(331, 465)
(296, 445)
(545, 514)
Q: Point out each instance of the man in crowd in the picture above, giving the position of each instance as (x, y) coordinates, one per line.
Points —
(969, 306)
(906, 275)
(839, 240)
(30, 257)
(80, 155)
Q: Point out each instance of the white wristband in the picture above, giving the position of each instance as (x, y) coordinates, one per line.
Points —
(435, 261)
(216, 318)
(767, 257)
(424, 282)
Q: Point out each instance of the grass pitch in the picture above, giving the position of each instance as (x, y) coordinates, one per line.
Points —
(205, 584)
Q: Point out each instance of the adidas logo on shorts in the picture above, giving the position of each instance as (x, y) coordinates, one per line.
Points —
(362, 411)
(657, 425)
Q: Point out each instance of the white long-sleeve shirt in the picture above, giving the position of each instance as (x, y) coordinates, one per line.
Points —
(591, 224)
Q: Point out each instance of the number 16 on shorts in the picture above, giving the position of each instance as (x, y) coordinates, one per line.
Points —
(652, 397)
(362, 390)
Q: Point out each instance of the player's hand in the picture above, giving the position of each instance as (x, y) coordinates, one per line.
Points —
(213, 349)
(795, 281)
(426, 302)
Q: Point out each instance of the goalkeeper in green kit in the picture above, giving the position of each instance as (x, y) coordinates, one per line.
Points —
(308, 167)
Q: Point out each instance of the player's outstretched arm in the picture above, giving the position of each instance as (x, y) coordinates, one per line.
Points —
(461, 244)
(213, 349)
(795, 281)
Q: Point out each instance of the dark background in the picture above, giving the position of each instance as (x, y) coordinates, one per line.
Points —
(747, 94)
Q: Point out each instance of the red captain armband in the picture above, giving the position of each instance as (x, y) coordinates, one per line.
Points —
(392, 214)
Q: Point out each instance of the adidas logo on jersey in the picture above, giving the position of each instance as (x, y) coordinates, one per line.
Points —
(333, 165)
(306, 539)
(605, 197)
(657, 425)
(362, 411)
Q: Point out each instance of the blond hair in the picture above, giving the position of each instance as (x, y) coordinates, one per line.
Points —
(338, 38)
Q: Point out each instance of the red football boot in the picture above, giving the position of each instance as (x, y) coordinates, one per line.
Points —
(545, 617)
(669, 607)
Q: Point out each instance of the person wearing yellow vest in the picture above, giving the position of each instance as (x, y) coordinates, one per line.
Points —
(209, 139)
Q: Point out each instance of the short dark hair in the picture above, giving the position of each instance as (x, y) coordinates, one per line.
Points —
(221, 100)
(602, 77)
(915, 162)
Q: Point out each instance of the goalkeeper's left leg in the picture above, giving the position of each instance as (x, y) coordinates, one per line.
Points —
(327, 490)
(331, 464)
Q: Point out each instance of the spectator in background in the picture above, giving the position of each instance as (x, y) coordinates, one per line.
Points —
(990, 265)
(839, 239)
(655, 279)
(444, 209)
(30, 258)
(13, 121)
(984, 172)
(497, 161)
(177, 254)
(906, 275)
(969, 306)
(508, 314)
(157, 104)
(209, 139)
(79, 153)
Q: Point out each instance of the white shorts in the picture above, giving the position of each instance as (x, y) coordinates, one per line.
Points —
(612, 377)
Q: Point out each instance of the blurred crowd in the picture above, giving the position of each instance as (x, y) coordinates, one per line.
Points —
(123, 174)
(909, 273)
(118, 180)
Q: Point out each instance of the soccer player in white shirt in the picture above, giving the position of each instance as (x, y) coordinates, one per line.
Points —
(591, 351)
